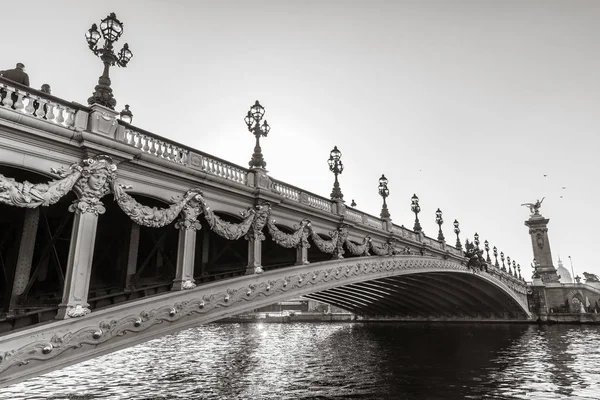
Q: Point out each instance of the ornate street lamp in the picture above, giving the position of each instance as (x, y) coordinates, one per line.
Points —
(414, 206)
(252, 120)
(476, 240)
(502, 259)
(111, 29)
(514, 264)
(457, 231)
(439, 220)
(486, 246)
(496, 257)
(519, 268)
(126, 115)
(384, 192)
(353, 204)
(337, 167)
(508, 262)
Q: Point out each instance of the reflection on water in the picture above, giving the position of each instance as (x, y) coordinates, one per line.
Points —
(339, 361)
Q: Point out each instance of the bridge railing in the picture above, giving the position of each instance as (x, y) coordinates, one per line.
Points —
(302, 196)
(37, 104)
(163, 148)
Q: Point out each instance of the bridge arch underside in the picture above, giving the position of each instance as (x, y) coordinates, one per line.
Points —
(430, 295)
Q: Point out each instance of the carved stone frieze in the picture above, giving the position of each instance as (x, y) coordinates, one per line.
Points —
(32, 195)
(97, 175)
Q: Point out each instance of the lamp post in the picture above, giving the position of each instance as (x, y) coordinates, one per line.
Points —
(457, 231)
(476, 241)
(126, 115)
(496, 257)
(486, 245)
(252, 120)
(508, 262)
(514, 264)
(416, 209)
(439, 221)
(336, 166)
(519, 268)
(502, 259)
(111, 29)
(384, 192)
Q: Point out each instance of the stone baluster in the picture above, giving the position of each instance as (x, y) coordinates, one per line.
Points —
(59, 114)
(7, 102)
(70, 117)
(145, 148)
(19, 103)
(30, 109)
(40, 112)
(50, 112)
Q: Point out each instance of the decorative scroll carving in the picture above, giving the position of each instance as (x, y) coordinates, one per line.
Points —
(341, 239)
(290, 240)
(189, 215)
(359, 249)
(97, 174)
(229, 230)
(261, 216)
(30, 195)
(151, 216)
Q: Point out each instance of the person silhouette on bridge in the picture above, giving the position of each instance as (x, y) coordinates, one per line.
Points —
(17, 74)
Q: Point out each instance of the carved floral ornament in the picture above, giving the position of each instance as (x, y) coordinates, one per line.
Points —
(199, 303)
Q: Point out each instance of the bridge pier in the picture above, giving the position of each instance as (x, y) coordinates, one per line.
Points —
(25, 256)
(79, 266)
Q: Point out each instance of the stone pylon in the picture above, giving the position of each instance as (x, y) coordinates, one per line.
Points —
(543, 267)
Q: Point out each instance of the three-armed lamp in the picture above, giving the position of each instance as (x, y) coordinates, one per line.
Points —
(384, 192)
(111, 29)
(252, 120)
(336, 166)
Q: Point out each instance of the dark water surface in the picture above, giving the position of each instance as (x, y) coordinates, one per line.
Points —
(340, 361)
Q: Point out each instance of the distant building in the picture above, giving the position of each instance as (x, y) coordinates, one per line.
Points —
(565, 276)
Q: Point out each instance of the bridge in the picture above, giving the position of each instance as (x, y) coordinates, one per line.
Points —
(113, 235)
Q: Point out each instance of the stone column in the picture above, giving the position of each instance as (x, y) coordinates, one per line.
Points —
(186, 249)
(132, 256)
(254, 256)
(79, 266)
(205, 252)
(25, 257)
(301, 255)
(255, 238)
(186, 246)
(538, 229)
(94, 183)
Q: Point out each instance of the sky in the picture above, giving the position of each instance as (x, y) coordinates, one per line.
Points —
(475, 106)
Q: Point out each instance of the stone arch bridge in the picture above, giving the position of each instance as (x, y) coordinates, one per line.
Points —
(111, 235)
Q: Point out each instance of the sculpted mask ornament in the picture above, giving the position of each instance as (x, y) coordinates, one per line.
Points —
(96, 176)
(189, 215)
(261, 216)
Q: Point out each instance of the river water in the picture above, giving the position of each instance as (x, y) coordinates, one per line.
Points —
(340, 361)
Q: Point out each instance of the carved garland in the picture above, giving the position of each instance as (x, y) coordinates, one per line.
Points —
(228, 230)
(30, 195)
(290, 240)
(359, 249)
(150, 216)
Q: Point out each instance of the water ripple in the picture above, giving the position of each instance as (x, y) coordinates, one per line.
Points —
(339, 361)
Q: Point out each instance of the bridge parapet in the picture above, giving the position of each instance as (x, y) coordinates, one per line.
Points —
(37, 104)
